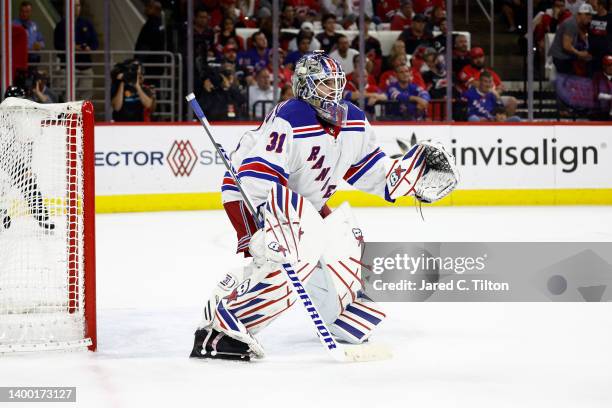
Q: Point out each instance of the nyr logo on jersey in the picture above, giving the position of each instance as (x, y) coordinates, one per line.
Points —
(182, 158)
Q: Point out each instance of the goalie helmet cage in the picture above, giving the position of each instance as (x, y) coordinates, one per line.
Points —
(47, 226)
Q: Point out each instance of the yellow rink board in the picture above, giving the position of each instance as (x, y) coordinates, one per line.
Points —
(212, 201)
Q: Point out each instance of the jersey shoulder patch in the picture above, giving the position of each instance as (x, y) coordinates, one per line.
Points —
(298, 113)
(354, 113)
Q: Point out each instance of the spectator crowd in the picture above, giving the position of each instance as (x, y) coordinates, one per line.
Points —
(234, 73)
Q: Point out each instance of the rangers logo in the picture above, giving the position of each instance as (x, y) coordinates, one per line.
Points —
(358, 236)
(276, 247)
(395, 176)
(243, 288)
(239, 291)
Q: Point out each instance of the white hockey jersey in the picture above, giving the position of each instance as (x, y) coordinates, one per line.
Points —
(292, 148)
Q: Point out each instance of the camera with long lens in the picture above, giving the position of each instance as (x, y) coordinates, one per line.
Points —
(26, 79)
(129, 69)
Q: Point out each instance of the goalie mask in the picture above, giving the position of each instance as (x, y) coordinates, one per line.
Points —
(320, 80)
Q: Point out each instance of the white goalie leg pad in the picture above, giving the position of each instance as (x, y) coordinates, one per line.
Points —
(336, 287)
(223, 288)
(261, 297)
(357, 321)
(294, 227)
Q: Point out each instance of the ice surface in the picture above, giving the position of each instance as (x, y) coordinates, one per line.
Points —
(154, 271)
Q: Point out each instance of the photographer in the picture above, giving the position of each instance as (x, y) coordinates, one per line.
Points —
(34, 84)
(133, 101)
(222, 98)
(40, 91)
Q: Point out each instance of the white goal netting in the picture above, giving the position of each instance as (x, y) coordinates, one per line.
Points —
(42, 279)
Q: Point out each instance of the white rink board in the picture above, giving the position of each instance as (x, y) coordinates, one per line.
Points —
(140, 159)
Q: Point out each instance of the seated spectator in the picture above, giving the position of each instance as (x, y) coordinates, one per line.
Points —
(230, 59)
(416, 34)
(506, 113)
(499, 114)
(221, 98)
(203, 36)
(426, 6)
(36, 42)
(228, 32)
(515, 12)
(386, 9)
(398, 47)
(600, 33)
(471, 72)
(328, 38)
(132, 100)
(294, 56)
(481, 100)
(437, 15)
(548, 21)
(347, 11)
(288, 18)
(372, 93)
(390, 75)
(412, 99)
(435, 74)
(261, 91)
(344, 54)
(602, 90)
(305, 7)
(225, 9)
(417, 64)
(258, 56)
(461, 53)
(570, 44)
(439, 41)
(510, 104)
(307, 29)
(403, 17)
(372, 45)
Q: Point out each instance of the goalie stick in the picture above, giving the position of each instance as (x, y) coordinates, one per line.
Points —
(343, 353)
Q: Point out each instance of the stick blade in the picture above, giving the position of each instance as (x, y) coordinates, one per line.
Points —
(360, 353)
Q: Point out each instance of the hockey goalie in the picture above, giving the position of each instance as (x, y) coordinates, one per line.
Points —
(289, 167)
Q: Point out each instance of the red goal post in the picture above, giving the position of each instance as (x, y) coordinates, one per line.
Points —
(47, 226)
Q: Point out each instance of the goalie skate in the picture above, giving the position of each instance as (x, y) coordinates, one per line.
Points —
(210, 343)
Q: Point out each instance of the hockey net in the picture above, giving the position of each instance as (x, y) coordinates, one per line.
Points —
(47, 255)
